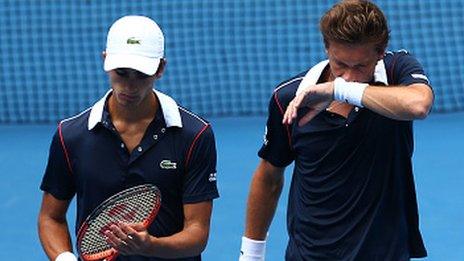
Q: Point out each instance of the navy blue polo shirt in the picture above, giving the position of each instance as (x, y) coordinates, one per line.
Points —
(352, 195)
(88, 159)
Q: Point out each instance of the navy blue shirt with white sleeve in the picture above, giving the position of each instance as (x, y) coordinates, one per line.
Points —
(177, 154)
(352, 195)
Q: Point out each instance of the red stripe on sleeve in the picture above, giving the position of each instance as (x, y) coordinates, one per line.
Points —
(68, 161)
(287, 127)
(190, 151)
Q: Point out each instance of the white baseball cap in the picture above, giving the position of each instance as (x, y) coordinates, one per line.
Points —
(134, 42)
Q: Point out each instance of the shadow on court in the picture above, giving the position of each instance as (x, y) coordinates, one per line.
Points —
(437, 163)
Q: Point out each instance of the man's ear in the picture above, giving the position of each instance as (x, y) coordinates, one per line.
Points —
(161, 67)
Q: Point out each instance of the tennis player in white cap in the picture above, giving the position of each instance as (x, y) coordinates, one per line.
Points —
(133, 135)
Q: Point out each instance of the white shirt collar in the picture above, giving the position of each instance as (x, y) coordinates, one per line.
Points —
(313, 75)
(380, 73)
(169, 107)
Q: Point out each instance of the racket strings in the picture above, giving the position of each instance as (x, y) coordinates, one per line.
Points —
(132, 206)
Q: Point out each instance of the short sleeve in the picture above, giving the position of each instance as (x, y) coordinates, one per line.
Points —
(276, 147)
(58, 179)
(407, 70)
(200, 177)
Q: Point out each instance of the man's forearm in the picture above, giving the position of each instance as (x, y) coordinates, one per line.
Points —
(262, 202)
(399, 103)
(191, 241)
(54, 236)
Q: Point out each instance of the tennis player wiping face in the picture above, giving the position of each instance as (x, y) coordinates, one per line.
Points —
(133, 135)
(346, 123)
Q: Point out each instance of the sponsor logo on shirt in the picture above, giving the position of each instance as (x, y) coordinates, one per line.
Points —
(212, 177)
(167, 164)
(265, 141)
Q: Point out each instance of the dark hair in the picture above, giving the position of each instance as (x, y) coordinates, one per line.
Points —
(355, 22)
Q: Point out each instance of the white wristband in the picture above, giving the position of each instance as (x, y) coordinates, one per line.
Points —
(66, 256)
(252, 250)
(349, 92)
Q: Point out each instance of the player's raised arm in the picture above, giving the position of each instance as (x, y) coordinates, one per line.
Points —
(408, 97)
(399, 102)
(409, 102)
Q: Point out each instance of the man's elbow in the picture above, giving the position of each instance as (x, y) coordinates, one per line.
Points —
(200, 245)
(421, 111)
(422, 106)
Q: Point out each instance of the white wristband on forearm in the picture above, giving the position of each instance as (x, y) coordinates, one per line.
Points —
(252, 250)
(66, 256)
(349, 92)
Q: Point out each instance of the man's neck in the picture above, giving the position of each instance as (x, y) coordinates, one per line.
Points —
(146, 110)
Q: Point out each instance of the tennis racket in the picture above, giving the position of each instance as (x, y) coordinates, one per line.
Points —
(138, 204)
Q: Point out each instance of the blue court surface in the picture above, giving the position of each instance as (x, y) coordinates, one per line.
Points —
(438, 164)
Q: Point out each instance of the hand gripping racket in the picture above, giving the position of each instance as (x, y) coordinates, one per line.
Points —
(138, 204)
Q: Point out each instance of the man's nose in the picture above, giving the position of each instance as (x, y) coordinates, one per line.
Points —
(349, 75)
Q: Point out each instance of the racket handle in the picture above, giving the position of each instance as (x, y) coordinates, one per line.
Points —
(66, 256)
